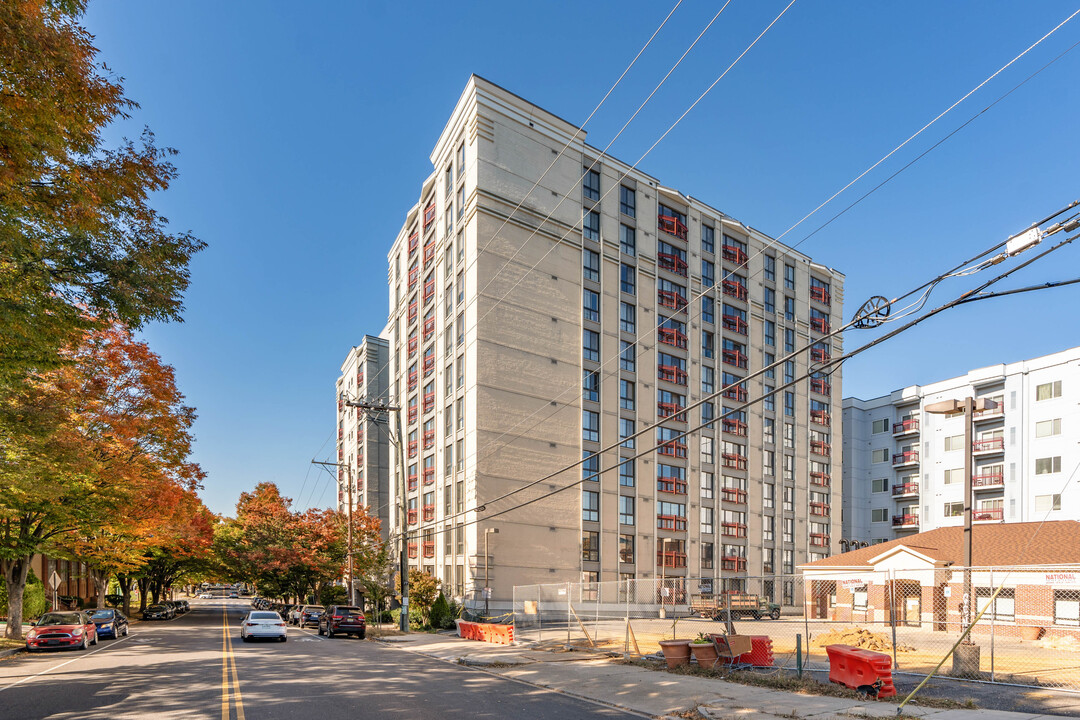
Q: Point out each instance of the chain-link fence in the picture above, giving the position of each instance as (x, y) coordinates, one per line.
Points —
(1028, 632)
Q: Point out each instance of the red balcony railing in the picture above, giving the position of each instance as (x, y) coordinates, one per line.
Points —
(905, 458)
(414, 242)
(429, 364)
(672, 411)
(820, 325)
(820, 355)
(412, 546)
(988, 444)
(910, 488)
(733, 427)
(820, 417)
(733, 254)
(340, 434)
(988, 515)
(413, 446)
(905, 426)
(733, 563)
(429, 252)
(821, 386)
(821, 479)
(671, 559)
(820, 509)
(820, 294)
(734, 323)
(413, 481)
(429, 439)
(733, 357)
(413, 344)
(412, 519)
(733, 529)
(733, 461)
(429, 215)
(673, 448)
(429, 402)
(671, 300)
(429, 475)
(987, 480)
(671, 263)
(820, 447)
(819, 539)
(414, 311)
(735, 392)
(672, 337)
(414, 277)
(429, 328)
(735, 289)
(429, 513)
(905, 520)
(671, 485)
(733, 495)
(429, 548)
(671, 374)
(672, 226)
(412, 379)
(429, 290)
(670, 522)
(413, 411)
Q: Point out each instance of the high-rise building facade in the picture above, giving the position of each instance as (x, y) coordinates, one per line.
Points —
(904, 467)
(363, 444)
(547, 302)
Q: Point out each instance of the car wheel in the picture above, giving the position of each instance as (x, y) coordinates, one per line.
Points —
(94, 641)
(757, 616)
(126, 630)
(363, 633)
(283, 638)
(320, 630)
(85, 643)
(775, 614)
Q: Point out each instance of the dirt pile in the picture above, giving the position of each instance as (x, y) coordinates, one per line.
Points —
(860, 638)
(1065, 642)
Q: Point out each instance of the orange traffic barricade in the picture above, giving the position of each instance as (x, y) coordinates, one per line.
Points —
(863, 670)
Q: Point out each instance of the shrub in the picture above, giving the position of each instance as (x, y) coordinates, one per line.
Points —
(441, 616)
(34, 599)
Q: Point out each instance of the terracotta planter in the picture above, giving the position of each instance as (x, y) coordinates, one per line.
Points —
(1031, 632)
(705, 654)
(676, 652)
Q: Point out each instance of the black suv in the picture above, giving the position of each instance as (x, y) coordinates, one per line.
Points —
(342, 620)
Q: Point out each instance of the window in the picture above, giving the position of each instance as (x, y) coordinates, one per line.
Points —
(626, 474)
(767, 359)
(789, 308)
(954, 476)
(626, 394)
(1067, 607)
(769, 497)
(858, 599)
(768, 430)
(708, 379)
(770, 332)
(768, 462)
(590, 425)
(626, 432)
(789, 435)
(626, 510)
(461, 371)
(768, 528)
(706, 450)
(708, 274)
(1047, 465)
(706, 559)
(460, 454)
(591, 386)
(627, 240)
(789, 506)
(1046, 503)
(627, 317)
(590, 225)
(627, 201)
(708, 310)
(1003, 607)
(880, 426)
(707, 349)
(789, 340)
(626, 355)
(770, 301)
(627, 279)
(590, 260)
(591, 305)
(768, 401)
(880, 455)
(953, 509)
(1047, 428)
(707, 520)
(626, 548)
(707, 485)
(461, 287)
(879, 485)
(770, 267)
(789, 371)
(590, 506)
(460, 403)
(879, 515)
(590, 184)
(789, 403)
(954, 442)
(708, 239)
(789, 277)
(590, 466)
(1047, 391)
(590, 546)
(591, 345)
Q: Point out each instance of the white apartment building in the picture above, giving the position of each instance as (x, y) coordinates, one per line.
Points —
(363, 447)
(903, 467)
(538, 318)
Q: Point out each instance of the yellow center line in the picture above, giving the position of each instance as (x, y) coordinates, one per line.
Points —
(228, 662)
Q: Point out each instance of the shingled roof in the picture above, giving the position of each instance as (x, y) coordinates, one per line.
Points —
(1054, 542)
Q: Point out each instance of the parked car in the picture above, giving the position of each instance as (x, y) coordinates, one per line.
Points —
(310, 615)
(62, 630)
(109, 622)
(184, 605)
(206, 596)
(263, 624)
(158, 612)
(234, 594)
(342, 620)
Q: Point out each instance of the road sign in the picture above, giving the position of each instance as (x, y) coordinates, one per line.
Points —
(54, 580)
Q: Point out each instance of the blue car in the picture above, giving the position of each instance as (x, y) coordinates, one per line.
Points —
(109, 622)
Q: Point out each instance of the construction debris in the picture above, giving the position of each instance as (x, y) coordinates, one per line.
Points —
(860, 638)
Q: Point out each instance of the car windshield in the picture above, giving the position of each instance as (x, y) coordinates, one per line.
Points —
(155, 608)
(350, 611)
(314, 608)
(61, 619)
(102, 614)
(265, 616)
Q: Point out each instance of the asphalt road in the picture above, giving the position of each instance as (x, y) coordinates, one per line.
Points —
(196, 667)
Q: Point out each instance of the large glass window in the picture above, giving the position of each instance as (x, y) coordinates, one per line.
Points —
(626, 510)
(628, 279)
(590, 425)
(626, 355)
(627, 474)
(627, 201)
(590, 184)
(591, 345)
(626, 394)
(591, 305)
(627, 240)
(590, 546)
(591, 385)
(590, 466)
(590, 506)
(590, 261)
(590, 225)
(627, 317)
(708, 239)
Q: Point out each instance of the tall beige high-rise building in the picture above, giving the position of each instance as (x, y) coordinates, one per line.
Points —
(542, 311)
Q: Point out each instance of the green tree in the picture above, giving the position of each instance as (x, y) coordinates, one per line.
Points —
(423, 589)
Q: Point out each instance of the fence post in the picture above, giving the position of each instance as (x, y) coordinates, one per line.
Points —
(568, 610)
(993, 618)
(891, 595)
(626, 630)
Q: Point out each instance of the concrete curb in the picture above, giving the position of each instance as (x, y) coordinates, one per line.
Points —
(12, 651)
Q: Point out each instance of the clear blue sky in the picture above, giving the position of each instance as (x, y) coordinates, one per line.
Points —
(304, 131)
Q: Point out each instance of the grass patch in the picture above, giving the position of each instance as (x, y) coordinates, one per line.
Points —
(9, 644)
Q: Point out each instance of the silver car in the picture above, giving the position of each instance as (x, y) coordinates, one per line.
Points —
(263, 624)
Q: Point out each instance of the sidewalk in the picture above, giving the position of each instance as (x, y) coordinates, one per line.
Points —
(657, 693)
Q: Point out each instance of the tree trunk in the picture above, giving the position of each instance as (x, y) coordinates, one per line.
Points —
(125, 591)
(144, 585)
(15, 573)
(100, 578)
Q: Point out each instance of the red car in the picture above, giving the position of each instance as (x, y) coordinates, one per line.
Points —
(62, 630)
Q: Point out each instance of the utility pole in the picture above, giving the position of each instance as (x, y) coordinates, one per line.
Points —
(349, 535)
(381, 406)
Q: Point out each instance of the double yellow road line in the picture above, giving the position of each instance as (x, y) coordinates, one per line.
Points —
(228, 663)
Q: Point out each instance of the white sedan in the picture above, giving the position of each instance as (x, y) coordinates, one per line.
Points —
(206, 596)
(263, 624)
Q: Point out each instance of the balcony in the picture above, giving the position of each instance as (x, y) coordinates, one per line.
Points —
(735, 392)
(671, 263)
(988, 515)
(735, 289)
(988, 445)
(429, 513)
(413, 410)
(412, 378)
(820, 417)
(820, 509)
(414, 277)
(820, 355)
(734, 323)
(988, 481)
(733, 357)
(429, 252)
(429, 475)
(820, 325)
(673, 448)
(733, 254)
(733, 461)
(671, 559)
(990, 413)
(820, 447)
(905, 427)
(429, 364)
(429, 328)
(671, 522)
(670, 411)
(820, 294)
(412, 547)
(671, 485)
(414, 311)
(821, 479)
(908, 457)
(429, 290)
(413, 447)
(429, 439)
(412, 519)
(733, 427)
(672, 226)
(910, 489)
(733, 563)
(819, 540)
(429, 548)
(673, 338)
(340, 434)
(672, 374)
(429, 402)
(821, 386)
(671, 300)
(429, 215)
(905, 521)
(413, 344)
(733, 529)
(413, 481)
(733, 495)
(414, 242)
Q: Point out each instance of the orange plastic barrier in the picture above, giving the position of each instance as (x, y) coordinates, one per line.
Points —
(485, 632)
(761, 652)
(864, 670)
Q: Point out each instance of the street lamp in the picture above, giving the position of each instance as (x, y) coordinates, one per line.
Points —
(487, 577)
(966, 656)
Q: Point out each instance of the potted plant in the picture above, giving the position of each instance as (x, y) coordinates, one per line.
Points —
(676, 652)
(704, 650)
